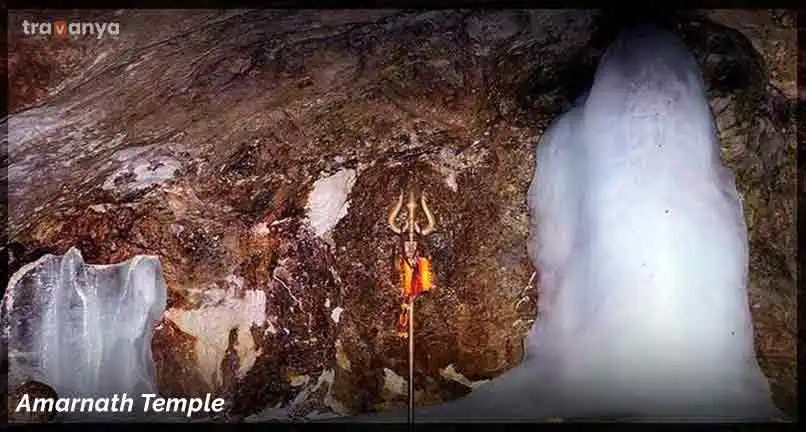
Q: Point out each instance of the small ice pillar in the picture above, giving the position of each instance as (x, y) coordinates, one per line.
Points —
(85, 330)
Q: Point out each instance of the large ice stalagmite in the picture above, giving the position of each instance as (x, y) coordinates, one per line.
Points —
(639, 239)
(642, 248)
(85, 330)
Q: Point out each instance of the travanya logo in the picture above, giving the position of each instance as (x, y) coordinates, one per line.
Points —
(61, 29)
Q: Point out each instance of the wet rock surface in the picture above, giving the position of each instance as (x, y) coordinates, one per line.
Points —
(210, 138)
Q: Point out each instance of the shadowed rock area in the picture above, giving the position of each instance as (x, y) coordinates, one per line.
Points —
(258, 152)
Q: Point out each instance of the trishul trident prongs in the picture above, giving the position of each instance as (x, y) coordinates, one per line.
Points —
(411, 226)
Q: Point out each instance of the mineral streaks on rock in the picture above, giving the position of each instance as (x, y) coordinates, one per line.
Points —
(251, 342)
(226, 332)
(212, 327)
(314, 401)
(140, 174)
(84, 330)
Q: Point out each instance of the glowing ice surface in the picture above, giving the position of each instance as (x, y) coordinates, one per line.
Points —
(85, 330)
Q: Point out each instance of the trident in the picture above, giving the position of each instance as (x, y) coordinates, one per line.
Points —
(410, 254)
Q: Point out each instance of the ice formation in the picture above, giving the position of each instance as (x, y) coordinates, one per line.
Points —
(639, 239)
(84, 330)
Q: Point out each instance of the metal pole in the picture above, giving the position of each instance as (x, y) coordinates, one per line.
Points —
(411, 361)
(412, 208)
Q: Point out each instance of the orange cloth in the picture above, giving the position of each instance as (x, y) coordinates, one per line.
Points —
(413, 282)
(423, 275)
(406, 276)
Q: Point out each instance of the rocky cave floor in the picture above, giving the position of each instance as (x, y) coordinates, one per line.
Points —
(210, 138)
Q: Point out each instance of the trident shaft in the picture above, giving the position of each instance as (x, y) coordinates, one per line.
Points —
(412, 227)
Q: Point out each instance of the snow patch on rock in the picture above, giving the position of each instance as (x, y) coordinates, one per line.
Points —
(335, 314)
(327, 203)
(395, 383)
(449, 373)
(142, 173)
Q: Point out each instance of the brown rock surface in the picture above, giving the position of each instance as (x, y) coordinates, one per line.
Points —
(199, 136)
